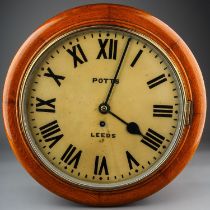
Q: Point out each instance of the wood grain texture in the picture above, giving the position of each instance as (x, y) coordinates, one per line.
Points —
(137, 21)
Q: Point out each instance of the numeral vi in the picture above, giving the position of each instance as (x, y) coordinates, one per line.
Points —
(100, 166)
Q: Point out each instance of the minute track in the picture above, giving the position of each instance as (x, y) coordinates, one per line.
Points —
(119, 120)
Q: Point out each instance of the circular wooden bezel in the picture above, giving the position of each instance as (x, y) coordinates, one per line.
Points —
(131, 19)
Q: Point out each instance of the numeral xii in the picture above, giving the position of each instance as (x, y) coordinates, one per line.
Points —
(108, 49)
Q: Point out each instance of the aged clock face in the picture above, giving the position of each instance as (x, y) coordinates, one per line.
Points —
(102, 107)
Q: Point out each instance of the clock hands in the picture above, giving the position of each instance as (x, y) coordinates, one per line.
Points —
(118, 70)
(104, 108)
(131, 127)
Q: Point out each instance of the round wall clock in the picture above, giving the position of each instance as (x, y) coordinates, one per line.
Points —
(104, 104)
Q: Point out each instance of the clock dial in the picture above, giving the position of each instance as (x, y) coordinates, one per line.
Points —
(102, 107)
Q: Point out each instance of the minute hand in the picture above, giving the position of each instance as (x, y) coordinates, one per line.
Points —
(118, 70)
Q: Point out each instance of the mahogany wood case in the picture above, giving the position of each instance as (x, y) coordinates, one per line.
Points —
(134, 20)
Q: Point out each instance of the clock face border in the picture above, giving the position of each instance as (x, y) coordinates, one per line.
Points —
(133, 20)
(88, 184)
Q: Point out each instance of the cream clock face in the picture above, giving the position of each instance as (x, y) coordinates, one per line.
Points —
(102, 107)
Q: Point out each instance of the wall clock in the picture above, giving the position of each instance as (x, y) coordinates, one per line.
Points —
(104, 104)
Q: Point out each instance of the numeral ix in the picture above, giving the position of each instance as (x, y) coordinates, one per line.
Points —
(45, 105)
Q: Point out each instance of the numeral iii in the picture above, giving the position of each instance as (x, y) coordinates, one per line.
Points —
(162, 111)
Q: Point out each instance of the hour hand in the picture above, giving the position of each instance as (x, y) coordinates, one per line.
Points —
(131, 127)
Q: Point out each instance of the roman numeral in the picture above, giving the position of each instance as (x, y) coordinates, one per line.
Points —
(45, 106)
(71, 156)
(100, 166)
(54, 76)
(136, 58)
(51, 133)
(162, 111)
(108, 49)
(153, 139)
(78, 55)
(157, 81)
(131, 160)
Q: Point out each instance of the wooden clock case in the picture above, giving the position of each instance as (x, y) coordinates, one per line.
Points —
(134, 20)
